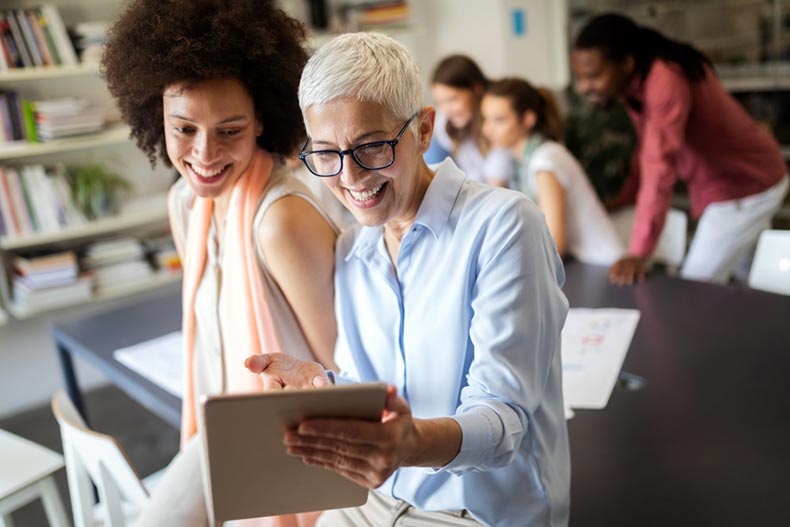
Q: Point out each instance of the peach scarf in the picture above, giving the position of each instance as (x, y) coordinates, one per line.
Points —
(244, 309)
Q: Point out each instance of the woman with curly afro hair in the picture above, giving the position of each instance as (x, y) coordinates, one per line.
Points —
(209, 87)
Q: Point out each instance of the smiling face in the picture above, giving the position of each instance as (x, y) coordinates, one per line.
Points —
(598, 78)
(210, 133)
(502, 126)
(374, 197)
(457, 104)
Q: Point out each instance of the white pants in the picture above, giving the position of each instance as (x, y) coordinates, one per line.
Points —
(179, 498)
(728, 231)
(383, 511)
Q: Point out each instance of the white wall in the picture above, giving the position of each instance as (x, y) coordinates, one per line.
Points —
(29, 368)
(484, 30)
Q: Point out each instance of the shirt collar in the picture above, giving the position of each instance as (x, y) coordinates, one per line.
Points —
(434, 211)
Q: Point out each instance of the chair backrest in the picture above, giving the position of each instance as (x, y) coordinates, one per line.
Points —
(771, 265)
(98, 458)
(671, 246)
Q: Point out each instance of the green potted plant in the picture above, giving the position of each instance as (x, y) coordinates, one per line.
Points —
(96, 191)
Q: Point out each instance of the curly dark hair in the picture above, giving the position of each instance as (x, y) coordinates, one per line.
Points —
(157, 43)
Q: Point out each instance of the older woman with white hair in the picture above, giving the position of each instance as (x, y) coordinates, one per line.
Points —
(449, 291)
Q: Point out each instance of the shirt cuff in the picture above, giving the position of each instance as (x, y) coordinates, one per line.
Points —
(481, 428)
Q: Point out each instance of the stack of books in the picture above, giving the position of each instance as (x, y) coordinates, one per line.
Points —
(58, 118)
(117, 264)
(50, 281)
(34, 37)
(383, 14)
(34, 199)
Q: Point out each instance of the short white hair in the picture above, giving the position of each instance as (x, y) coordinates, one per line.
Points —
(366, 67)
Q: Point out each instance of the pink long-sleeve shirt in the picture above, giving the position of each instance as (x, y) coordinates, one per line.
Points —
(700, 133)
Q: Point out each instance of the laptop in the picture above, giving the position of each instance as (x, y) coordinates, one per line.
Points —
(771, 265)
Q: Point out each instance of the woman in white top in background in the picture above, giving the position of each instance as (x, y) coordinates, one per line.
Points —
(527, 122)
(457, 86)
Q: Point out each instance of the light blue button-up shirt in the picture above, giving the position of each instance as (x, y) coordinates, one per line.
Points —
(468, 327)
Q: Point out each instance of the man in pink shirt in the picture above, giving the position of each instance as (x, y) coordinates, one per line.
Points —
(689, 127)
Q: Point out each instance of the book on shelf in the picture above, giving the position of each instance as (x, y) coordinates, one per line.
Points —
(49, 281)
(35, 199)
(51, 270)
(79, 290)
(110, 252)
(45, 120)
(117, 263)
(34, 37)
(378, 14)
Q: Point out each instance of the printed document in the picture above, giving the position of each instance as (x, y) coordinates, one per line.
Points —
(158, 360)
(594, 344)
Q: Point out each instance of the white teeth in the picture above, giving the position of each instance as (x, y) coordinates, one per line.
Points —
(366, 195)
(205, 173)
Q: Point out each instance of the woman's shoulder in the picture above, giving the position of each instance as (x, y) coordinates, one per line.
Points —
(283, 183)
(663, 70)
(549, 153)
(181, 198)
(554, 157)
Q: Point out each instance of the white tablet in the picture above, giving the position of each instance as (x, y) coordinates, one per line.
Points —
(250, 473)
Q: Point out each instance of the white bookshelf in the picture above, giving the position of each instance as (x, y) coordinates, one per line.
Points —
(111, 146)
(772, 76)
(114, 135)
(157, 281)
(100, 227)
(48, 72)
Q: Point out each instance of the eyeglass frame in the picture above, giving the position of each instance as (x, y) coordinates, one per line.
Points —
(352, 151)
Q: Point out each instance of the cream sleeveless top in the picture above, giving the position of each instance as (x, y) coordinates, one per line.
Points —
(209, 366)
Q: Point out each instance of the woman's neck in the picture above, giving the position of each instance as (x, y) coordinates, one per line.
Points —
(396, 228)
(518, 148)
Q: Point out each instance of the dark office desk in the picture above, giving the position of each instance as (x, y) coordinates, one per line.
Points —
(93, 339)
(706, 442)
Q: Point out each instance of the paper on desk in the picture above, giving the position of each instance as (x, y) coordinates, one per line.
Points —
(158, 360)
(594, 344)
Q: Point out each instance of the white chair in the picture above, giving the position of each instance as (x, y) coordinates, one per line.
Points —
(771, 265)
(98, 458)
(27, 473)
(671, 247)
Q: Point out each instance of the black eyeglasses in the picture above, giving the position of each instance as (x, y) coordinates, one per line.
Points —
(370, 156)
